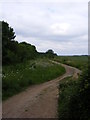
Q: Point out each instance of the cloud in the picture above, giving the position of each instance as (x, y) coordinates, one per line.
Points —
(60, 28)
(57, 25)
(44, 1)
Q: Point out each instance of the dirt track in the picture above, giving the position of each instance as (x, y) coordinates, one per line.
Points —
(38, 101)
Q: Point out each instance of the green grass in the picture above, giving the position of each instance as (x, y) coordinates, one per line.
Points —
(74, 98)
(79, 62)
(73, 102)
(67, 89)
(18, 77)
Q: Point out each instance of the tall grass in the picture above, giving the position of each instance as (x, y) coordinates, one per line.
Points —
(67, 91)
(74, 98)
(18, 77)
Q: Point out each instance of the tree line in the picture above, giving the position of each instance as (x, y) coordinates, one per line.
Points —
(15, 52)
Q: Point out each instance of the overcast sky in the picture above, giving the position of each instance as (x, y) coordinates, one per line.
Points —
(58, 25)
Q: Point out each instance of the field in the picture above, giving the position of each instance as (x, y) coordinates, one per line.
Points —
(18, 77)
(79, 62)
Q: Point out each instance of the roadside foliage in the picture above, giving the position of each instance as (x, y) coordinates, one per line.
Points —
(74, 96)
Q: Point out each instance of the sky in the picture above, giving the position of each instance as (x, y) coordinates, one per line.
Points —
(49, 24)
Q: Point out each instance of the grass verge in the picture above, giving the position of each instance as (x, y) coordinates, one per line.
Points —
(18, 77)
(74, 98)
(67, 90)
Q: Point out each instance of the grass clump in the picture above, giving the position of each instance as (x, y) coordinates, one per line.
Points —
(18, 77)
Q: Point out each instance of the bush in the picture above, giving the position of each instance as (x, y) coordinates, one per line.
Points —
(74, 98)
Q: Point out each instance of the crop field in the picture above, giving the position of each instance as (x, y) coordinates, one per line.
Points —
(79, 62)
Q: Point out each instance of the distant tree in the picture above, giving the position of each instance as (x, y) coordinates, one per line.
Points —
(50, 53)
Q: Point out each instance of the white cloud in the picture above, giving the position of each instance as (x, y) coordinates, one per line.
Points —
(45, 1)
(60, 28)
(57, 25)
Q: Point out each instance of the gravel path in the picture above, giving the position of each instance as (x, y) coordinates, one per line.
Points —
(38, 101)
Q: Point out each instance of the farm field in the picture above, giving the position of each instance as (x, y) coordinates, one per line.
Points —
(79, 62)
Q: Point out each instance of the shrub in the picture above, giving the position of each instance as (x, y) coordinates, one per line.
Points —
(74, 98)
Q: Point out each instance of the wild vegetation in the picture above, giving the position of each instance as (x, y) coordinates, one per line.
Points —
(16, 78)
(74, 94)
(23, 65)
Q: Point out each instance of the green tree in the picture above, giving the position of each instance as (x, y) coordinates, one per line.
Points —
(14, 52)
(50, 53)
(8, 35)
